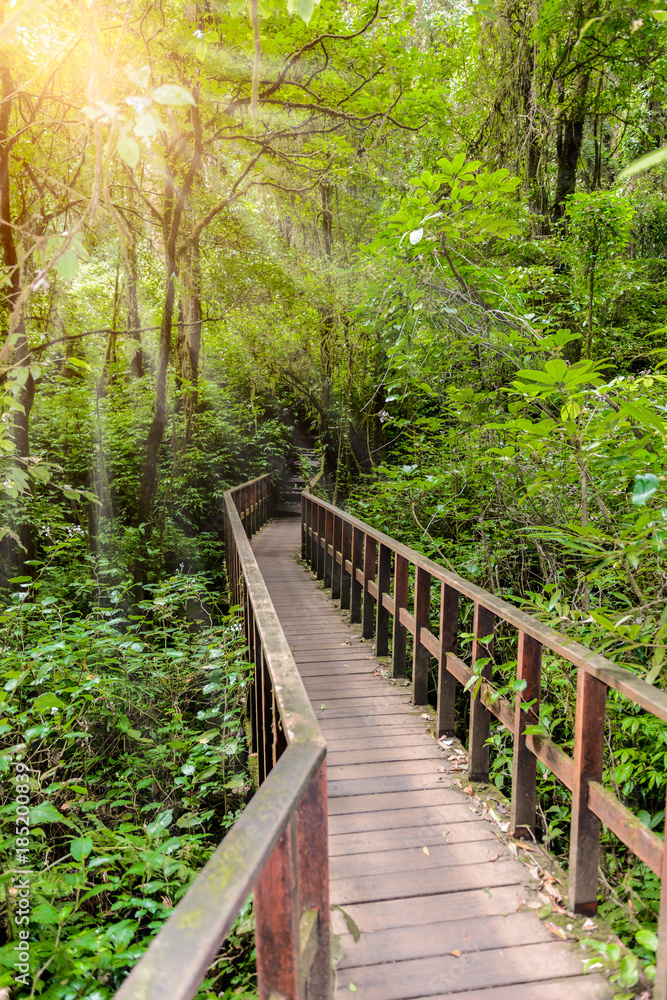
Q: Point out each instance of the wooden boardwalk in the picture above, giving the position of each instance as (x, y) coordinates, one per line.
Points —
(438, 898)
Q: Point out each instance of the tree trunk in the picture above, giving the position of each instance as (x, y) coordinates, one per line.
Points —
(16, 328)
(133, 321)
(189, 336)
(568, 148)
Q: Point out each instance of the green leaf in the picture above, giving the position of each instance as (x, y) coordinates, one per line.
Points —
(128, 150)
(659, 15)
(81, 848)
(161, 823)
(644, 488)
(45, 914)
(46, 813)
(647, 939)
(173, 95)
(140, 77)
(653, 159)
(46, 702)
(146, 126)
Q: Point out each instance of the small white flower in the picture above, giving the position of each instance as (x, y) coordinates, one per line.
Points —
(40, 284)
(140, 104)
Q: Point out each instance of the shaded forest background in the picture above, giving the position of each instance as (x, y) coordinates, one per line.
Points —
(229, 229)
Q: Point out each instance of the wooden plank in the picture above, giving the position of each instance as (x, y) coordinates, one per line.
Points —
(399, 885)
(390, 753)
(441, 938)
(416, 859)
(489, 901)
(378, 769)
(380, 801)
(378, 841)
(351, 710)
(447, 974)
(348, 729)
(378, 742)
(394, 819)
(387, 783)
(586, 987)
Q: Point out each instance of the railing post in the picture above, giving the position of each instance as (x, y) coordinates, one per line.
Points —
(421, 655)
(357, 563)
(588, 763)
(449, 619)
(328, 540)
(336, 569)
(399, 638)
(524, 768)
(368, 612)
(321, 534)
(314, 522)
(276, 923)
(345, 577)
(660, 984)
(384, 583)
(313, 885)
(480, 717)
(304, 527)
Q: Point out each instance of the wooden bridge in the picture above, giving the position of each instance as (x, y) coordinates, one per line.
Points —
(361, 814)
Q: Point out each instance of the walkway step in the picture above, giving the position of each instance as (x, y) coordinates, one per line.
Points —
(435, 893)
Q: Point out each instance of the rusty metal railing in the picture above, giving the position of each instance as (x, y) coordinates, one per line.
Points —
(371, 575)
(278, 847)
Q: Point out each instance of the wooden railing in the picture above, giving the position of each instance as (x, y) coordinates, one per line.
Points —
(278, 847)
(378, 579)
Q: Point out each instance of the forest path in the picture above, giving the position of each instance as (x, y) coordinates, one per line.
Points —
(439, 899)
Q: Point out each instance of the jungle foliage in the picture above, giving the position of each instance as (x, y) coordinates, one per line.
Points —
(225, 229)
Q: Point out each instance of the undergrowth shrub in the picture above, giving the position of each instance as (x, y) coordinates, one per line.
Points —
(123, 728)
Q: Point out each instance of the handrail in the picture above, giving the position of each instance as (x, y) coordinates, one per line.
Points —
(370, 573)
(278, 846)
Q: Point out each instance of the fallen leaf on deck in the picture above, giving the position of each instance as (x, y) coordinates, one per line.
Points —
(425, 715)
(557, 931)
(322, 707)
(527, 847)
(544, 912)
(426, 851)
(513, 850)
(495, 858)
(468, 790)
(456, 952)
(353, 987)
(553, 891)
(589, 925)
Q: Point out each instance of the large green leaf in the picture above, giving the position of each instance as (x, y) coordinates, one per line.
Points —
(173, 95)
(653, 159)
(644, 488)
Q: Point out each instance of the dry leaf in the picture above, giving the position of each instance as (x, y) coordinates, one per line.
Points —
(468, 790)
(589, 925)
(553, 891)
(426, 851)
(556, 930)
(425, 715)
(456, 952)
(527, 847)
(513, 850)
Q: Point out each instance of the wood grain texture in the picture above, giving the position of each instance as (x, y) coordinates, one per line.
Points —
(392, 793)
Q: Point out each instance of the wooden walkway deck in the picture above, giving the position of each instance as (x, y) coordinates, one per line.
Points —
(438, 897)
